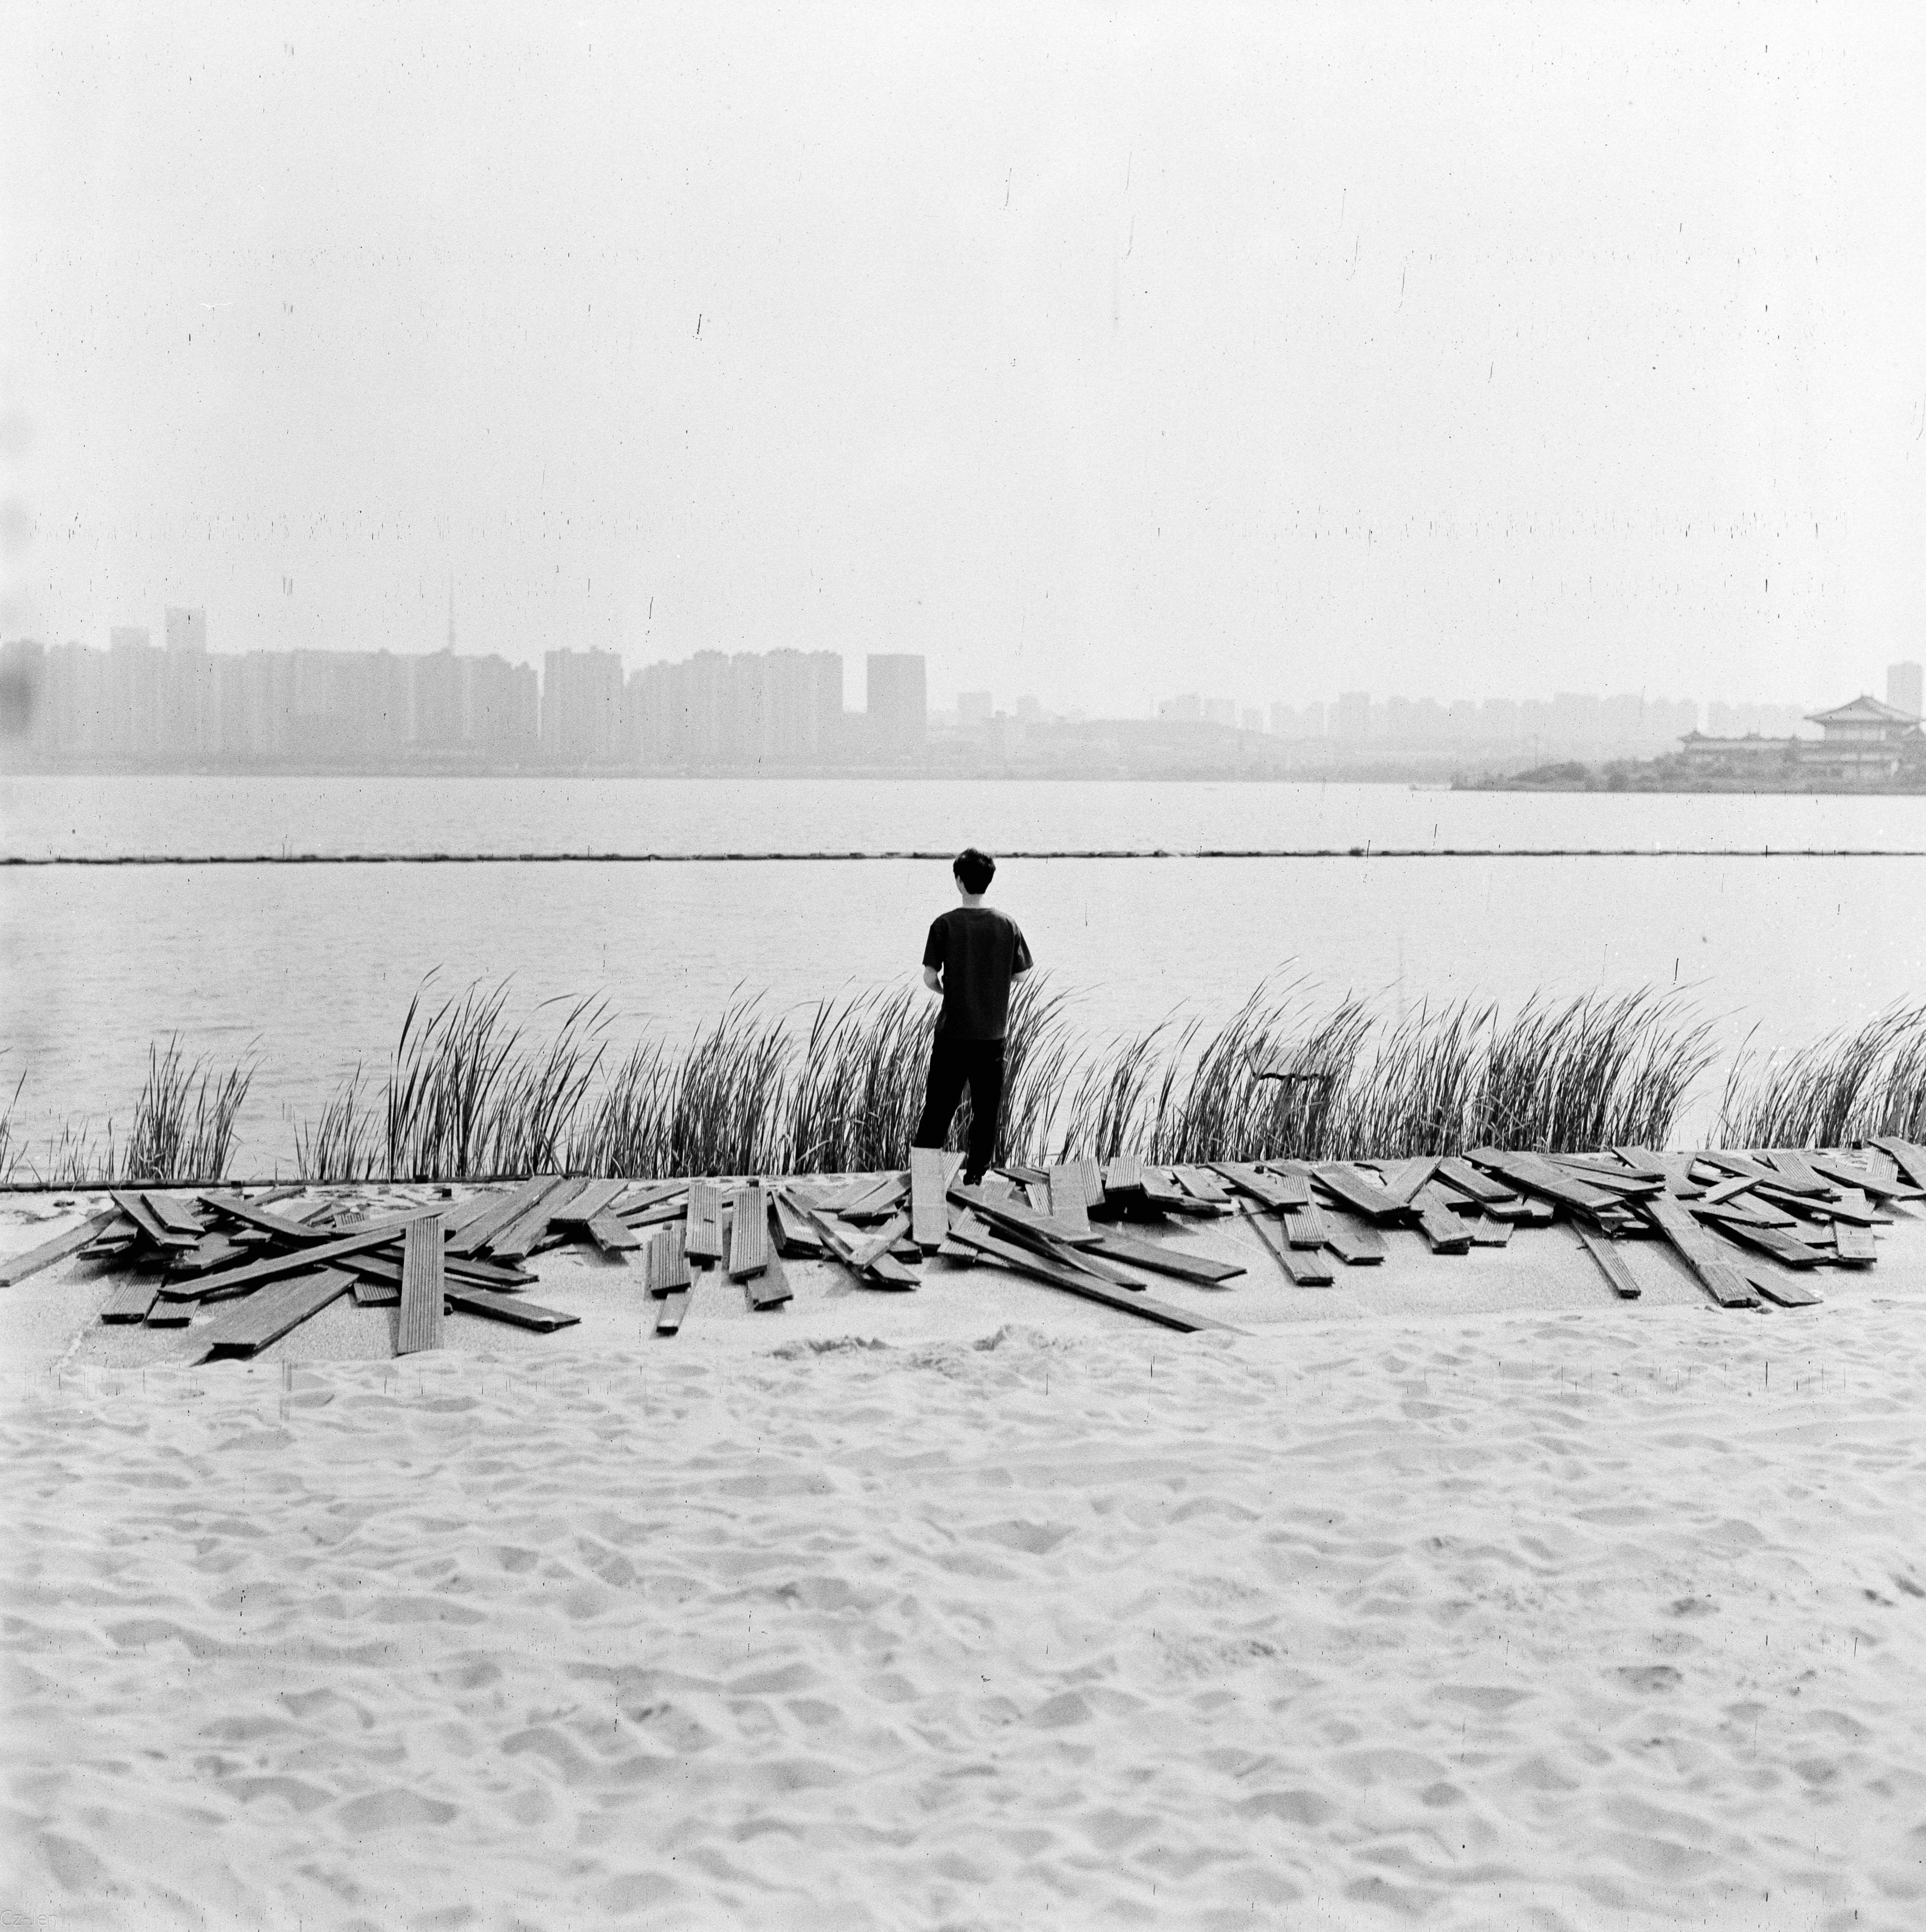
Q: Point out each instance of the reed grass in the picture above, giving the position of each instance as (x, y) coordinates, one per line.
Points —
(1850, 1085)
(473, 1091)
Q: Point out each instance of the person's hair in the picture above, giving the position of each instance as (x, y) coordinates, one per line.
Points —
(974, 870)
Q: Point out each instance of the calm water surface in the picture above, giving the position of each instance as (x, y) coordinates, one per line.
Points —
(313, 967)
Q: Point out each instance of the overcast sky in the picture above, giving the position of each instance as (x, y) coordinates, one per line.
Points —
(1099, 354)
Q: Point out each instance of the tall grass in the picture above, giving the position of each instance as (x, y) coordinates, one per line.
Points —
(471, 1089)
(1847, 1086)
(184, 1121)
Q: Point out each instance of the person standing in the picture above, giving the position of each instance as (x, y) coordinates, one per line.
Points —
(973, 953)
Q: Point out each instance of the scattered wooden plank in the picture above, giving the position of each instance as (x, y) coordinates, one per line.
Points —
(748, 1234)
(1532, 1175)
(930, 1174)
(1877, 1186)
(1486, 1232)
(879, 1200)
(643, 1194)
(1460, 1174)
(516, 1309)
(1780, 1287)
(171, 1213)
(211, 1251)
(875, 1245)
(1161, 1258)
(526, 1232)
(1701, 1252)
(1124, 1177)
(1351, 1189)
(657, 1214)
(1612, 1264)
(251, 1214)
(1304, 1267)
(166, 1314)
(1727, 1163)
(424, 1287)
(1013, 1214)
(769, 1288)
(1782, 1247)
(130, 1299)
(885, 1271)
(1439, 1226)
(1356, 1243)
(1275, 1192)
(1162, 1193)
(510, 1207)
(612, 1235)
(18, 1268)
(1203, 1184)
(275, 1267)
(264, 1319)
(135, 1207)
(674, 1307)
(1853, 1244)
(1614, 1181)
(972, 1232)
(1404, 1181)
(794, 1234)
(1754, 1213)
(590, 1199)
(1907, 1156)
(374, 1292)
(1069, 1200)
(665, 1261)
(1726, 1285)
(704, 1240)
(1306, 1228)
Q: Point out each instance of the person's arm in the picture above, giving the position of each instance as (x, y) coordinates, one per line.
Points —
(932, 960)
(933, 978)
(1022, 962)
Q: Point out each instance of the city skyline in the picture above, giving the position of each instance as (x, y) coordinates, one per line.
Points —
(1068, 351)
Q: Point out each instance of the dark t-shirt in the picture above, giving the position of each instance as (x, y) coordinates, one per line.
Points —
(980, 951)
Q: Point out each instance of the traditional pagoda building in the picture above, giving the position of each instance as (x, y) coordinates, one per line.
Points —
(1865, 742)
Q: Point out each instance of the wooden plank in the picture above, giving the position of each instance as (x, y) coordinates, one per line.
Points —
(1356, 1243)
(1853, 1244)
(1613, 1181)
(1878, 1187)
(1728, 1162)
(1162, 1192)
(612, 1235)
(1161, 1258)
(1306, 1228)
(134, 1207)
(211, 1251)
(1202, 1182)
(424, 1287)
(375, 1293)
(794, 1234)
(1124, 1176)
(18, 1268)
(971, 1232)
(704, 1240)
(526, 1232)
(131, 1299)
(929, 1196)
(674, 1306)
(1275, 1192)
(263, 1319)
(1791, 1163)
(665, 1261)
(590, 1199)
(1403, 1182)
(661, 1213)
(1306, 1269)
(1612, 1265)
(1726, 1285)
(643, 1194)
(1534, 1176)
(171, 1213)
(1446, 1234)
(878, 1242)
(1013, 1213)
(275, 1267)
(510, 1207)
(516, 1309)
(1351, 1189)
(748, 1234)
(1907, 1156)
(1460, 1174)
(1782, 1247)
(1069, 1202)
(252, 1214)
(1753, 1213)
(1780, 1287)
(885, 1271)
(880, 1201)
(1485, 1232)
(769, 1288)
(166, 1314)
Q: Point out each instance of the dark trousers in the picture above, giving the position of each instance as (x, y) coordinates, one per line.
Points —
(953, 1065)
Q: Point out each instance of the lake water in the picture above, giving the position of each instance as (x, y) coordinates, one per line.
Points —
(313, 967)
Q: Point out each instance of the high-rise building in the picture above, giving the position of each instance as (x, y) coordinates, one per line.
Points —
(1186, 709)
(895, 698)
(581, 707)
(974, 707)
(1350, 715)
(1220, 711)
(1903, 688)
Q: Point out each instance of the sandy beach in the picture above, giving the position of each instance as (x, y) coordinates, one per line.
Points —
(1464, 1598)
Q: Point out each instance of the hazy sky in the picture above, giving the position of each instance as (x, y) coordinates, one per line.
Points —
(1099, 353)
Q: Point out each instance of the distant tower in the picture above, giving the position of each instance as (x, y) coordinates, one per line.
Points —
(1903, 688)
(451, 613)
